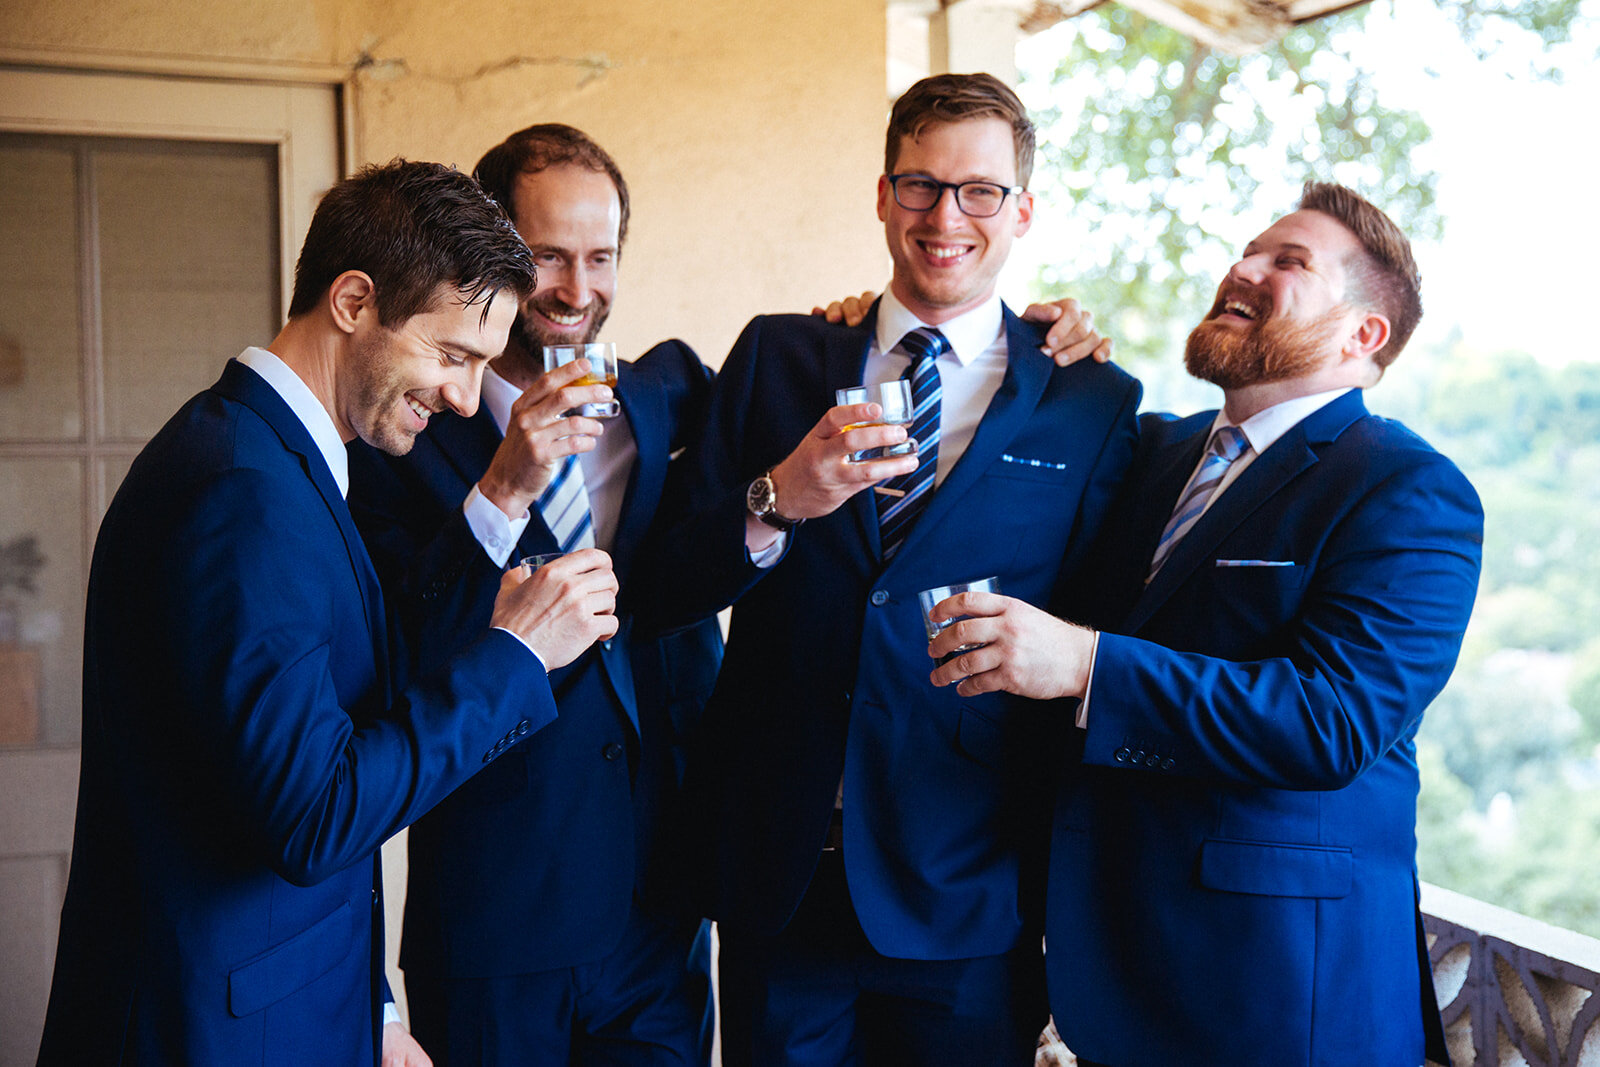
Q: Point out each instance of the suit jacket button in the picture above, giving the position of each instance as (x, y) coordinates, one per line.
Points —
(523, 727)
(1120, 755)
(1153, 761)
(879, 597)
(1167, 764)
(612, 751)
(489, 755)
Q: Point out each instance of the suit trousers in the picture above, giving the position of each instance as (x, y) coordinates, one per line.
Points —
(645, 1004)
(818, 995)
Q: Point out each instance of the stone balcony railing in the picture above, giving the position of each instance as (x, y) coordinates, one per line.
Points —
(1514, 992)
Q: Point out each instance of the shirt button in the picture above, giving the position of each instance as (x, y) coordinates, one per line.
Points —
(612, 751)
(879, 598)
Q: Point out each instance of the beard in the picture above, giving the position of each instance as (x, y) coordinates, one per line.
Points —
(530, 331)
(1270, 350)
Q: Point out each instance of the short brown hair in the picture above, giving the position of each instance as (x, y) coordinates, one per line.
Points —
(412, 228)
(955, 98)
(539, 148)
(1386, 277)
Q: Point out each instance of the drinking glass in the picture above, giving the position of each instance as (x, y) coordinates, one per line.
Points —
(895, 399)
(533, 563)
(929, 597)
(602, 357)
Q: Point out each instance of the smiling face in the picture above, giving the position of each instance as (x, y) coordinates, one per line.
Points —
(569, 215)
(1281, 311)
(394, 378)
(946, 263)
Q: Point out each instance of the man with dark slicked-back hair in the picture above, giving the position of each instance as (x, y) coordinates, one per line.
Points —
(247, 746)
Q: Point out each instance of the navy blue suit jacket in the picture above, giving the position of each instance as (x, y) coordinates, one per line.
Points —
(534, 863)
(1232, 874)
(827, 666)
(245, 754)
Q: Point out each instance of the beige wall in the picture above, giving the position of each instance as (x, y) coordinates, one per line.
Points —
(750, 130)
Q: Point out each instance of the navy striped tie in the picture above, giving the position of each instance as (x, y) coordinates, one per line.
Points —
(1227, 445)
(896, 513)
(564, 506)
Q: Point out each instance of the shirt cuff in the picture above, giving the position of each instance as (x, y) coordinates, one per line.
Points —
(497, 533)
(527, 646)
(1083, 705)
(768, 557)
(391, 1014)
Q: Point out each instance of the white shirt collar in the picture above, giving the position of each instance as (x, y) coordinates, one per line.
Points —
(969, 333)
(306, 407)
(498, 395)
(1265, 427)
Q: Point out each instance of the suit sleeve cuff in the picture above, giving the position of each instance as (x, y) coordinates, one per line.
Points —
(527, 646)
(497, 534)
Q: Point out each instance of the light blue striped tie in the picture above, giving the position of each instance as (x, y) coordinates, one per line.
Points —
(897, 513)
(1227, 445)
(564, 506)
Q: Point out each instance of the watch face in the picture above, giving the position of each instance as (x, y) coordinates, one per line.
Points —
(759, 496)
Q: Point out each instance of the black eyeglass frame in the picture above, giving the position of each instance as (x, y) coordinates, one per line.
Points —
(956, 187)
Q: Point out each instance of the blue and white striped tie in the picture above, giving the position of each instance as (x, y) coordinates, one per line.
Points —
(897, 513)
(1227, 445)
(564, 505)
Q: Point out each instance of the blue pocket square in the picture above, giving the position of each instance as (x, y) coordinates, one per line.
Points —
(1255, 563)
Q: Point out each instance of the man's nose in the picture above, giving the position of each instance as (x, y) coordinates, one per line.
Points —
(461, 392)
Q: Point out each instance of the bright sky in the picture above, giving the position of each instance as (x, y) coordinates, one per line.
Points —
(1518, 163)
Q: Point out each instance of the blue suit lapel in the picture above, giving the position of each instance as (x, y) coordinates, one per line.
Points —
(241, 384)
(645, 408)
(1284, 461)
(1027, 373)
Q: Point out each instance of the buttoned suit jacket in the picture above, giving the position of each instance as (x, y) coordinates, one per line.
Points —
(826, 675)
(535, 863)
(1232, 874)
(245, 754)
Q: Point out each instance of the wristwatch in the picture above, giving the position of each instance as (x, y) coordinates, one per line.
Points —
(762, 501)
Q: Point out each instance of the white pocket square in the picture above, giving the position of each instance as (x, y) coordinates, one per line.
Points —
(1255, 563)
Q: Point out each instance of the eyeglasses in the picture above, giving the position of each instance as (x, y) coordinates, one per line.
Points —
(978, 200)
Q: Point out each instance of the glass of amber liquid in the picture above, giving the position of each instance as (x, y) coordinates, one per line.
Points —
(894, 397)
(602, 357)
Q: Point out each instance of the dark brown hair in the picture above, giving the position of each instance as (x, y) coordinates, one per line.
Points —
(412, 228)
(540, 148)
(955, 98)
(1385, 277)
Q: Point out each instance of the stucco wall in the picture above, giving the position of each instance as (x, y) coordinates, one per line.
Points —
(750, 131)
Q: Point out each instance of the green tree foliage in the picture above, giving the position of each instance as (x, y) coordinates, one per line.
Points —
(1156, 145)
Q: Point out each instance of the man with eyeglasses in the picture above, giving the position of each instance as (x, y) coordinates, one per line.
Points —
(872, 847)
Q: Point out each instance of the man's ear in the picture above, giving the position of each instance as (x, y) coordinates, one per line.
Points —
(350, 293)
(1370, 335)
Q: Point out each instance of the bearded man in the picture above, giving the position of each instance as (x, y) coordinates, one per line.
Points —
(1282, 590)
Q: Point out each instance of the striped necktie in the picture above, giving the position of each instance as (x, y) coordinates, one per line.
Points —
(564, 506)
(1227, 445)
(897, 513)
